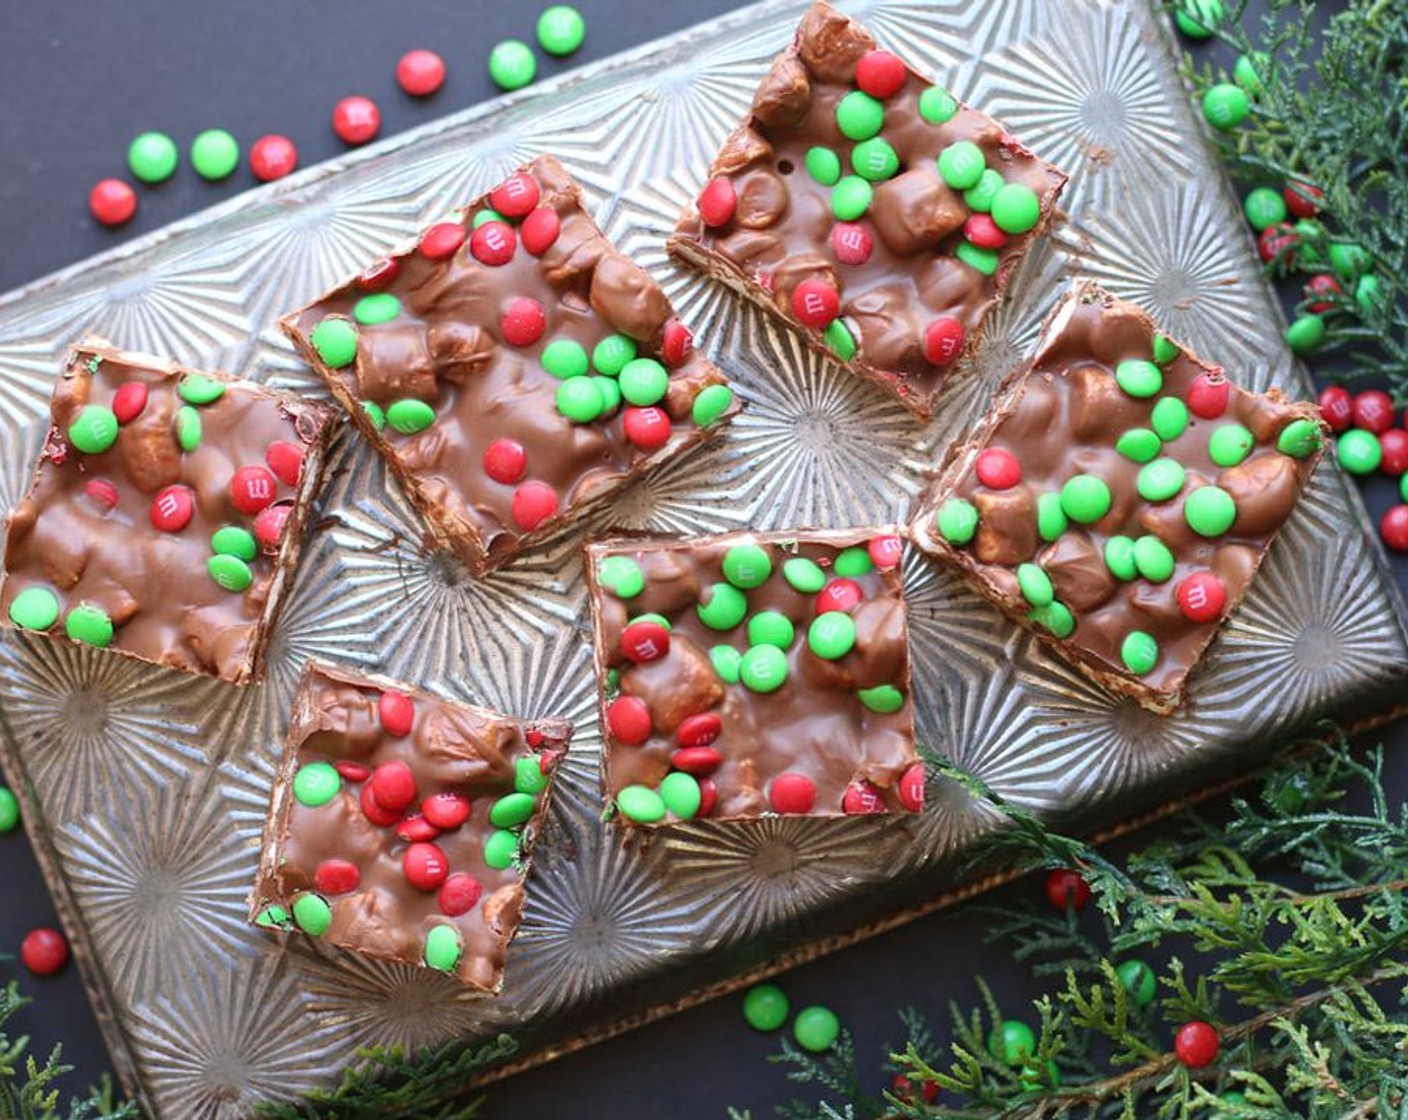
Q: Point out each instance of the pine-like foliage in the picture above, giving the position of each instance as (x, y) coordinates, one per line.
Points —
(1330, 107)
(1283, 925)
(27, 1090)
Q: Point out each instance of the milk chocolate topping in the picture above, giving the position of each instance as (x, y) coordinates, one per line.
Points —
(445, 346)
(451, 749)
(780, 233)
(154, 585)
(1063, 415)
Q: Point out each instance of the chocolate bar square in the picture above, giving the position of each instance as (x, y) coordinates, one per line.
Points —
(752, 674)
(868, 209)
(401, 824)
(512, 367)
(165, 514)
(1120, 496)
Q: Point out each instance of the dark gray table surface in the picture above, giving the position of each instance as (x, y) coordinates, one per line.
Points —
(78, 79)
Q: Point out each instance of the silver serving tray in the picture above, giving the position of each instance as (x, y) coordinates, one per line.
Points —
(148, 788)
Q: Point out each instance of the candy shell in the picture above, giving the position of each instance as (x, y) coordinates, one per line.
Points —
(763, 669)
(957, 521)
(831, 635)
(1085, 499)
(859, 116)
(765, 1007)
(722, 606)
(229, 572)
(772, 628)
(1035, 585)
(640, 804)
(93, 430)
(501, 850)
(1161, 480)
(34, 608)
(883, 698)
(335, 340)
(710, 404)
(356, 119)
(512, 65)
(680, 793)
(1051, 519)
(1139, 378)
(90, 625)
(628, 720)
(621, 575)
(533, 503)
(816, 1029)
(792, 793)
(936, 105)
(443, 948)
(312, 914)
(1210, 511)
(396, 712)
(1153, 559)
(961, 165)
(1139, 651)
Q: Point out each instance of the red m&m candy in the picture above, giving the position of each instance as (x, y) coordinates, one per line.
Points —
(676, 344)
(420, 73)
(699, 730)
(378, 274)
(352, 771)
(533, 503)
(880, 74)
(112, 202)
(285, 459)
(1337, 408)
(628, 720)
(540, 229)
(645, 641)
(943, 340)
(493, 243)
(172, 508)
(1320, 289)
(394, 786)
(911, 789)
(356, 119)
(515, 196)
(102, 491)
(375, 812)
(1201, 597)
(1278, 241)
(1208, 395)
(1196, 1044)
(129, 401)
(1394, 445)
(648, 428)
(272, 157)
(717, 202)
(860, 798)
(252, 488)
(397, 713)
(269, 524)
(459, 894)
(505, 460)
(1394, 528)
(523, 322)
(839, 595)
(1065, 888)
(1302, 199)
(336, 876)
(696, 760)
(708, 797)
(851, 242)
(792, 793)
(815, 303)
(44, 951)
(885, 552)
(441, 241)
(1373, 411)
(416, 829)
(997, 468)
(445, 810)
(425, 866)
(983, 232)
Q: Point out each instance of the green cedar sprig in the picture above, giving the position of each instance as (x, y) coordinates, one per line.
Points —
(1283, 923)
(1329, 106)
(27, 1089)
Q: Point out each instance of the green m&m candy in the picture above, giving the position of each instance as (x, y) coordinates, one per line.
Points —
(644, 381)
(726, 661)
(379, 307)
(771, 628)
(528, 776)
(1119, 558)
(375, 414)
(610, 393)
(1230, 444)
(9, 810)
(610, 355)
(196, 388)
(640, 804)
(621, 575)
(1153, 559)
(962, 164)
(804, 575)
(859, 116)
(747, 566)
(188, 428)
(561, 30)
(763, 669)
(1198, 19)
(957, 520)
(1051, 519)
(1300, 438)
(90, 625)
(1138, 980)
(409, 416)
(839, 339)
(874, 159)
(1035, 585)
(485, 216)
(765, 1007)
(1169, 418)
(1246, 72)
(335, 340)
(152, 157)
(722, 606)
(883, 698)
(312, 914)
(579, 400)
(1056, 617)
(852, 562)
(1016, 208)
(937, 106)
(823, 165)
(93, 430)
(229, 572)
(711, 403)
(1349, 260)
(512, 65)
(658, 619)
(1139, 445)
(1012, 1041)
(1210, 511)
(982, 260)
(1403, 487)
(215, 154)
(1165, 349)
(1264, 208)
(1085, 499)
(1161, 480)
(850, 198)
(1306, 334)
(816, 1029)
(1139, 651)
(316, 783)
(1359, 452)
(1225, 106)
(1139, 378)
(511, 810)
(443, 948)
(564, 358)
(34, 608)
(681, 794)
(1369, 294)
(831, 635)
(980, 197)
(501, 849)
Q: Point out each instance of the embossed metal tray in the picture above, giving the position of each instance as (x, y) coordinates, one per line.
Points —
(147, 788)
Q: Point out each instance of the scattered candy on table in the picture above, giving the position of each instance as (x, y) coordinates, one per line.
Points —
(561, 30)
(44, 951)
(9, 810)
(816, 1029)
(356, 119)
(765, 1007)
(420, 72)
(1196, 1044)
(1012, 1041)
(215, 154)
(512, 65)
(272, 157)
(1066, 889)
(152, 157)
(113, 202)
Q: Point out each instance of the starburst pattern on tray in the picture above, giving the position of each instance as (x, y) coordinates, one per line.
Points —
(94, 728)
(158, 890)
(938, 35)
(953, 631)
(1082, 95)
(232, 1034)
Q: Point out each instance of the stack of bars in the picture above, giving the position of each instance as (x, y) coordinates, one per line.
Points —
(515, 371)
